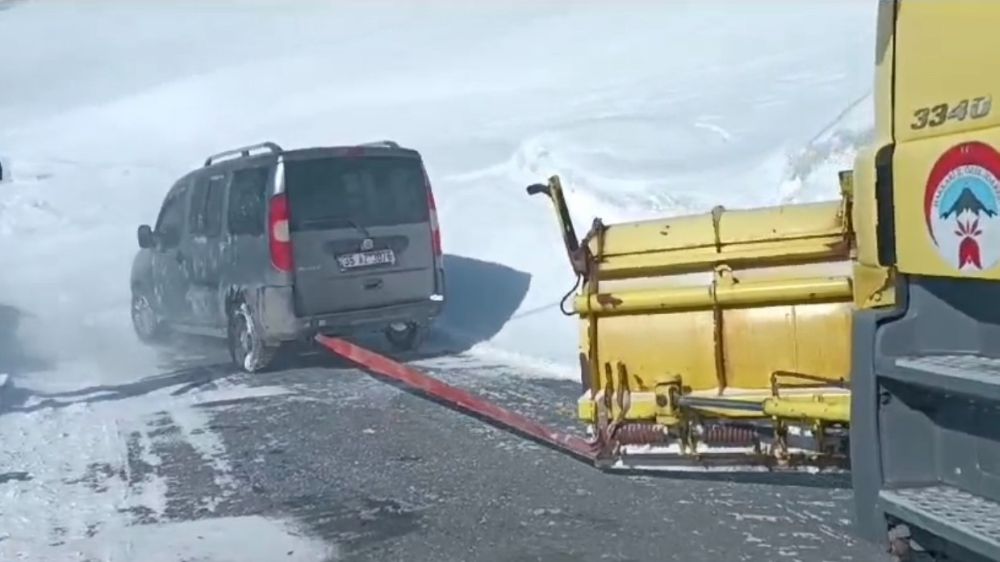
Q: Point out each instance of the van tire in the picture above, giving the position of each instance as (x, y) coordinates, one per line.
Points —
(146, 324)
(405, 340)
(247, 349)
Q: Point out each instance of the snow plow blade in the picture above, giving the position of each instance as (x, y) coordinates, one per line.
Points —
(459, 399)
(718, 341)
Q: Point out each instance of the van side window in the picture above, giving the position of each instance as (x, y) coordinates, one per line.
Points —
(213, 207)
(247, 201)
(205, 217)
(171, 220)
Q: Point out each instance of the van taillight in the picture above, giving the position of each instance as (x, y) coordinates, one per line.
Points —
(278, 233)
(432, 208)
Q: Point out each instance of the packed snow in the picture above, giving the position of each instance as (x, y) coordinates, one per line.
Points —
(643, 109)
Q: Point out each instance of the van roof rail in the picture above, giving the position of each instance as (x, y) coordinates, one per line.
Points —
(385, 143)
(243, 151)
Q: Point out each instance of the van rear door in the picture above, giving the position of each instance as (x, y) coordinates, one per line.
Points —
(360, 229)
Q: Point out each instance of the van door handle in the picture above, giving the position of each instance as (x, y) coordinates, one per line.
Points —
(370, 284)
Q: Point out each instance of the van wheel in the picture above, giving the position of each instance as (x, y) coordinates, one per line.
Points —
(405, 337)
(145, 322)
(246, 348)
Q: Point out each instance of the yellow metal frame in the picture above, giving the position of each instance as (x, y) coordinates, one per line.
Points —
(682, 308)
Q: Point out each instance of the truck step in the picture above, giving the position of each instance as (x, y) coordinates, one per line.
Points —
(955, 515)
(971, 375)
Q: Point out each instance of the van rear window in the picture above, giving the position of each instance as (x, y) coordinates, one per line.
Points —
(328, 193)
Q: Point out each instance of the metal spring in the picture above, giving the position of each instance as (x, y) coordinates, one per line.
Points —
(639, 434)
(731, 435)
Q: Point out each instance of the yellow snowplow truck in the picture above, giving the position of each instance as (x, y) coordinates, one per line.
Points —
(861, 333)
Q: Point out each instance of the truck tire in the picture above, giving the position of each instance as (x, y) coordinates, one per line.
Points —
(148, 326)
(247, 349)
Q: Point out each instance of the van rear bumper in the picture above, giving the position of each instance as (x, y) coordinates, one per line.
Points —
(279, 322)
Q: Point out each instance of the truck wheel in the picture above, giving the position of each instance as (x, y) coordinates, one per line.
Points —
(246, 347)
(405, 337)
(145, 322)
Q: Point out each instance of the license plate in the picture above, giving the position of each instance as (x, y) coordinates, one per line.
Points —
(367, 259)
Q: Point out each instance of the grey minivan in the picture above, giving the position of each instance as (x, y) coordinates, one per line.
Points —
(263, 246)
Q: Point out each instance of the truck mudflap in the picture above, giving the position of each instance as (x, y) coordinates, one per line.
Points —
(926, 443)
(716, 341)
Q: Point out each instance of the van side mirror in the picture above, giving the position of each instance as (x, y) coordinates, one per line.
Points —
(145, 235)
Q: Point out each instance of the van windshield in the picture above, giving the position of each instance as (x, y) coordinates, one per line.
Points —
(338, 192)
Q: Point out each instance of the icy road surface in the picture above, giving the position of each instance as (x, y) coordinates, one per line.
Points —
(323, 463)
(112, 450)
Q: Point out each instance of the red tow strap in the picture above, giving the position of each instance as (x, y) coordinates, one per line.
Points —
(459, 399)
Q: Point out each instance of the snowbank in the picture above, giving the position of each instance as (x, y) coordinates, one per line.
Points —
(83, 466)
(812, 170)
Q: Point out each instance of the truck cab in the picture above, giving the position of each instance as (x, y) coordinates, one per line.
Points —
(925, 370)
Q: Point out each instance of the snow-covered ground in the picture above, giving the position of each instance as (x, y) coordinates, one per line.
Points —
(644, 109)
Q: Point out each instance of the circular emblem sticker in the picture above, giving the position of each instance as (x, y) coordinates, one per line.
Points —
(960, 206)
